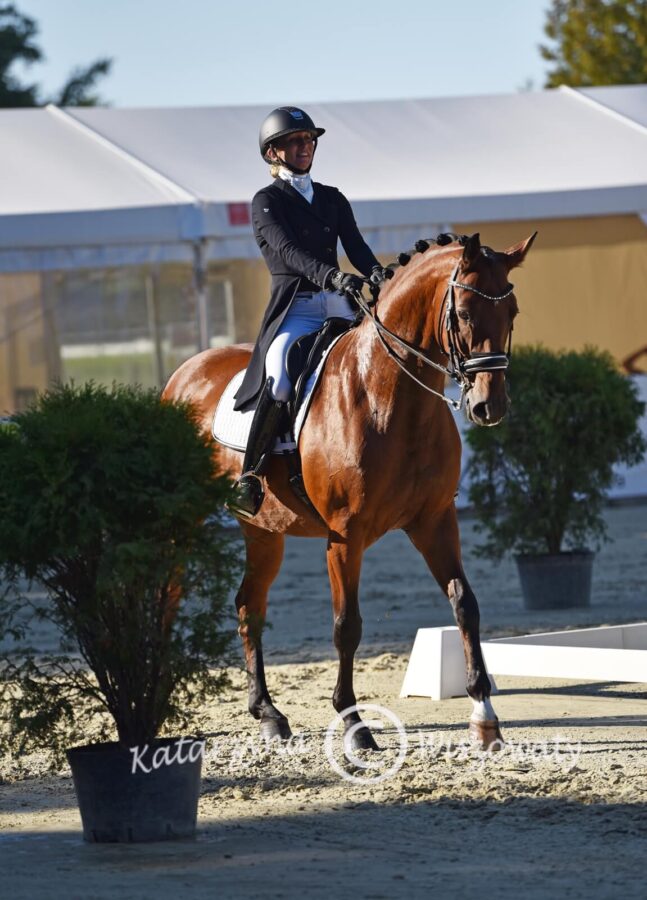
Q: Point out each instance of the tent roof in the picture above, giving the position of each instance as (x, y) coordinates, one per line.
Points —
(628, 100)
(106, 183)
(48, 166)
(447, 150)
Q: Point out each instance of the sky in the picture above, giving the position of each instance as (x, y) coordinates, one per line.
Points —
(234, 52)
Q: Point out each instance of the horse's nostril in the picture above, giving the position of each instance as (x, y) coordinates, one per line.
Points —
(481, 411)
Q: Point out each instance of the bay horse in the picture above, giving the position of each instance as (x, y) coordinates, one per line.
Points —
(380, 451)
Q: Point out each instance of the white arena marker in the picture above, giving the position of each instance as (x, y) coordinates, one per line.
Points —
(437, 665)
(609, 653)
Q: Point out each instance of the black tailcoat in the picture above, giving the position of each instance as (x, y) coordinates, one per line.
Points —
(298, 241)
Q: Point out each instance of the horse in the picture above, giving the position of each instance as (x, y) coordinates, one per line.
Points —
(380, 451)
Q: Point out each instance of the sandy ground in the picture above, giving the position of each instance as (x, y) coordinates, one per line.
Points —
(560, 812)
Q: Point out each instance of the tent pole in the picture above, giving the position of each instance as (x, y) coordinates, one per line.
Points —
(154, 327)
(49, 300)
(200, 290)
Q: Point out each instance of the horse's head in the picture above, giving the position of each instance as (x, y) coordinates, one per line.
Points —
(482, 308)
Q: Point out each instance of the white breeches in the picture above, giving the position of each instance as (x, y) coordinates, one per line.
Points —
(307, 313)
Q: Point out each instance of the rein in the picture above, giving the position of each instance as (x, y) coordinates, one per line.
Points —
(460, 367)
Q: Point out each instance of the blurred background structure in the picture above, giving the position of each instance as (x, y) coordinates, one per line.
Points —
(126, 243)
(125, 236)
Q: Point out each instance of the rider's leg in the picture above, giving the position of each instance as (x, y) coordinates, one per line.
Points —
(275, 361)
(249, 494)
(336, 304)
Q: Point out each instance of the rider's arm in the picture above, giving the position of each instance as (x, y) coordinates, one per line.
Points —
(272, 229)
(357, 250)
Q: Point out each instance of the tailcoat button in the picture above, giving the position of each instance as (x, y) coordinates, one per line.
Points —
(326, 228)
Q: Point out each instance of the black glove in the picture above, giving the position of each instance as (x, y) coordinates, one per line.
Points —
(345, 283)
(379, 275)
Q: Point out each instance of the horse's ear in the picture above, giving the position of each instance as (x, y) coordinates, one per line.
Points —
(471, 252)
(516, 255)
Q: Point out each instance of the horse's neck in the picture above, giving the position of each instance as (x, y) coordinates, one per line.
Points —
(411, 307)
(413, 316)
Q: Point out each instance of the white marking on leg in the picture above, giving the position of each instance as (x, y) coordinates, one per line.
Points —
(483, 711)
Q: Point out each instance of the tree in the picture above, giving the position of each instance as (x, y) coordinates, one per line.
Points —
(77, 90)
(17, 34)
(18, 45)
(596, 42)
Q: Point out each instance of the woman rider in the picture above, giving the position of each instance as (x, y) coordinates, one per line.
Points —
(297, 223)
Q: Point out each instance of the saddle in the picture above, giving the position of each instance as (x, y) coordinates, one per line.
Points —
(302, 360)
(305, 354)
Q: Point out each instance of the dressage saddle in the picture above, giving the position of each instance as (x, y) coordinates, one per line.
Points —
(302, 360)
(305, 355)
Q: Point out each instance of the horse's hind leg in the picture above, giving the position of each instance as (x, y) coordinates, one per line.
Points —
(264, 557)
(438, 541)
(344, 558)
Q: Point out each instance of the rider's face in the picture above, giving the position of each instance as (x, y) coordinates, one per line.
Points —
(296, 149)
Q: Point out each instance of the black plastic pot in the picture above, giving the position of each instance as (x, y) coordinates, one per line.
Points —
(147, 796)
(556, 581)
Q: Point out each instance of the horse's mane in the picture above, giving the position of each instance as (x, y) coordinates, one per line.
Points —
(446, 240)
(422, 245)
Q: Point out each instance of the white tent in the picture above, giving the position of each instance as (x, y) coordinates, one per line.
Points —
(628, 101)
(90, 187)
(98, 188)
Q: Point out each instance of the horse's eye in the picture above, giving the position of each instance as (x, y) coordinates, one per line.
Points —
(464, 315)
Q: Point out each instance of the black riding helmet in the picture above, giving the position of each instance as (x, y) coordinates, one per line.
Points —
(281, 122)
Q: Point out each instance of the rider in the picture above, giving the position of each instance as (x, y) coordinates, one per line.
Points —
(297, 223)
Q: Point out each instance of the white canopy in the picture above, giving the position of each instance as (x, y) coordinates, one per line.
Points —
(629, 100)
(95, 187)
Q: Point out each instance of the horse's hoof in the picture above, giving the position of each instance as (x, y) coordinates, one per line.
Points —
(362, 739)
(486, 734)
(273, 729)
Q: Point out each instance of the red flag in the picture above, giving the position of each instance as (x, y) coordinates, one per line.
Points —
(238, 213)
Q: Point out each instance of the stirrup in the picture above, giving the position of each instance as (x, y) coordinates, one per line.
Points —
(248, 496)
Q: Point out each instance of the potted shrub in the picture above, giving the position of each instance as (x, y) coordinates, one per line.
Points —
(110, 500)
(539, 480)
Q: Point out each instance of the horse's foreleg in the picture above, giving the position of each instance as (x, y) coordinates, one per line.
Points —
(344, 558)
(438, 541)
(264, 557)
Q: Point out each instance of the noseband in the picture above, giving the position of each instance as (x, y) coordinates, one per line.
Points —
(460, 367)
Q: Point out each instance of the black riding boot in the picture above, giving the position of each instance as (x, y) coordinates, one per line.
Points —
(249, 493)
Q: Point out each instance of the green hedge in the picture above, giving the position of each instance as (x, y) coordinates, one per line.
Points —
(111, 500)
(538, 480)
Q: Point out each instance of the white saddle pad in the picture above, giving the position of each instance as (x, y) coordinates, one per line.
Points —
(231, 428)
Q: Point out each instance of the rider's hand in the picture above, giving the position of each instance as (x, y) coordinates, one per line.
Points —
(346, 283)
(380, 274)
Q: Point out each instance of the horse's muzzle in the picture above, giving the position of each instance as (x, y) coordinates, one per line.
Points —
(487, 401)
(482, 413)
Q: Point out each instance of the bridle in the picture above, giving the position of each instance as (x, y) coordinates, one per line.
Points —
(459, 367)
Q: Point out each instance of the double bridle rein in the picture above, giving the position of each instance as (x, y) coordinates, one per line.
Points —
(459, 367)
